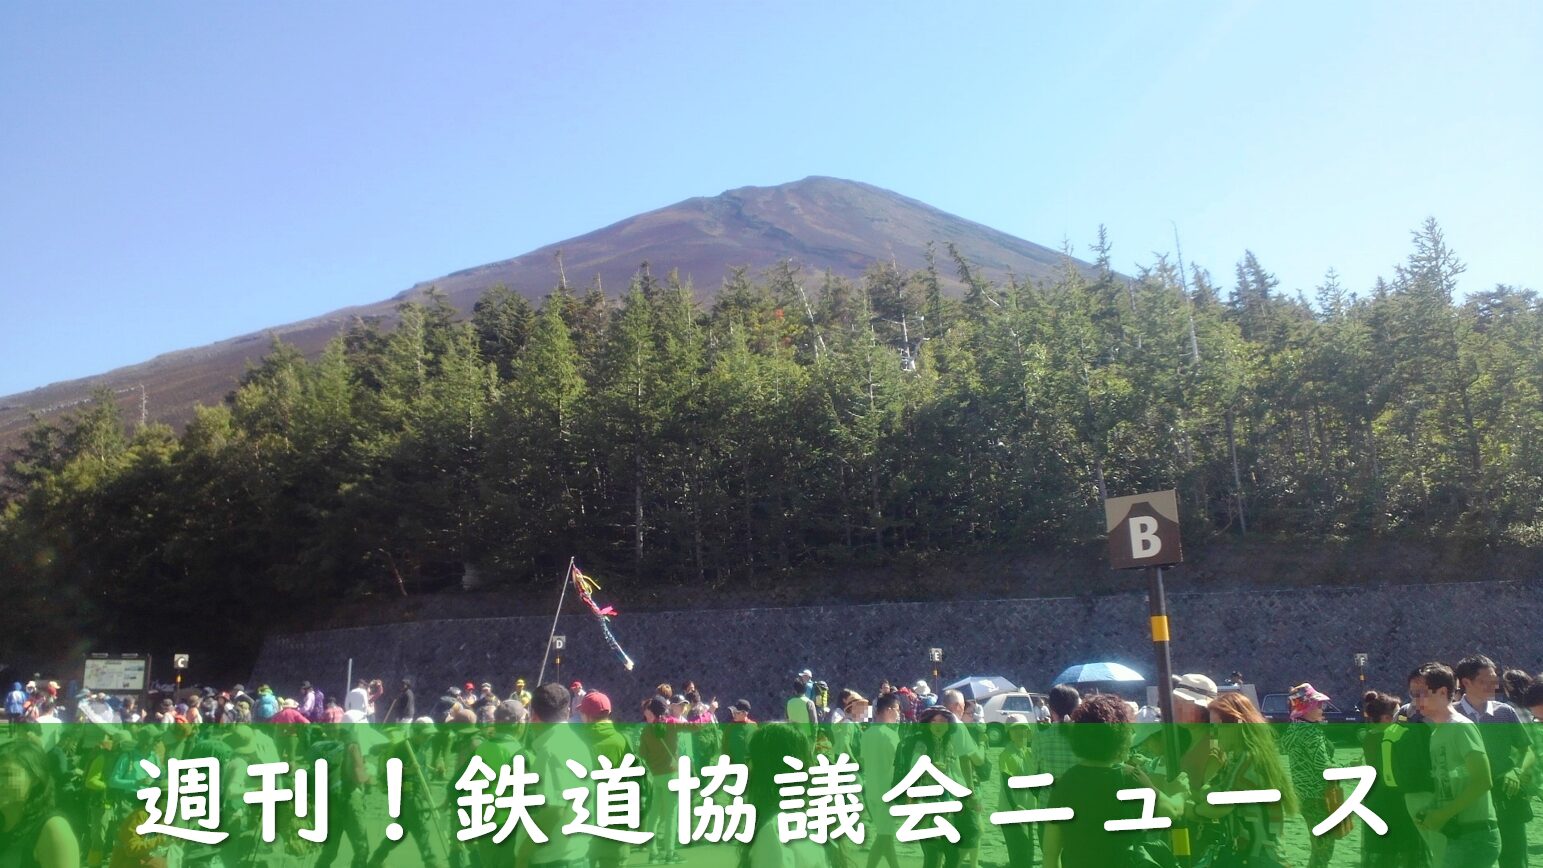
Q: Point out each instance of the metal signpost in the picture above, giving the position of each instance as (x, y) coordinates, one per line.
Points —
(1144, 534)
(935, 657)
(179, 662)
(559, 642)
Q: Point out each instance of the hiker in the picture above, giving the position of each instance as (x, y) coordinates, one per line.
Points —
(32, 833)
(552, 747)
(1402, 846)
(879, 744)
(604, 741)
(417, 817)
(801, 709)
(939, 737)
(1200, 757)
(350, 775)
(1462, 808)
(1305, 741)
(1101, 743)
(737, 733)
(1252, 832)
(1509, 750)
(403, 709)
(16, 706)
(358, 700)
(659, 746)
(971, 757)
(1016, 760)
(312, 702)
(768, 748)
(520, 692)
(1052, 752)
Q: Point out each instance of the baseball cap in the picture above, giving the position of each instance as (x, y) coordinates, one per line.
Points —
(1195, 688)
(509, 711)
(577, 685)
(595, 704)
(741, 705)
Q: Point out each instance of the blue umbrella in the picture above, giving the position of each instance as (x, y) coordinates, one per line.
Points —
(981, 686)
(1089, 673)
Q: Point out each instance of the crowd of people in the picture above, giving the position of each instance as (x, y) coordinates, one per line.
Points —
(1454, 795)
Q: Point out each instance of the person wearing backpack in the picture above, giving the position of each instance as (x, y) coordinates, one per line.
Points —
(349, 775)
(1401, 846)
(313, 703)
(16, 706)
(604, 741)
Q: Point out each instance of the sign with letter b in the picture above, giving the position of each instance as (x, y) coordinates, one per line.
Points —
(1143, 530)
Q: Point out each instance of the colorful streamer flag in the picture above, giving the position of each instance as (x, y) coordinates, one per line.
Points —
(586, 587)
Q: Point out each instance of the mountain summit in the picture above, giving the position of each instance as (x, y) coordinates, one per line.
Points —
(818, 223)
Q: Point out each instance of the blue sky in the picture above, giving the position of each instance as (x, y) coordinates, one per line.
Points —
(178, 173)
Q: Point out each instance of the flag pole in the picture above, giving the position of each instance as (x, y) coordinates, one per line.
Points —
(567, 580)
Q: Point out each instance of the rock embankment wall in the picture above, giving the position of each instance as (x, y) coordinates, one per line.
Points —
(1276, 638)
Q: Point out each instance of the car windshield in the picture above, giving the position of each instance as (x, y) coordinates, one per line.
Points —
(1018, 703)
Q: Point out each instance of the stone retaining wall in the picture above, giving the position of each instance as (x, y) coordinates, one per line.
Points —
(1276, 638)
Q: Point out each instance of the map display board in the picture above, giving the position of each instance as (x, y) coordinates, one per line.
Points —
(115, 674)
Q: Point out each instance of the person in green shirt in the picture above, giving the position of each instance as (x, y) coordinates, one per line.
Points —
(604, 741)
(1017, 759)
(1462, 808)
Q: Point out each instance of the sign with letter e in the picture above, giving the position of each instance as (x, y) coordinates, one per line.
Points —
(1143, 530)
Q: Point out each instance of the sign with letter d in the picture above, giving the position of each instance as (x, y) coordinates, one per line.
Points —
(1144, 530)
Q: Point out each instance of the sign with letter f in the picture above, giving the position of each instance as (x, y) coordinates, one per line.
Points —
(1143, 530)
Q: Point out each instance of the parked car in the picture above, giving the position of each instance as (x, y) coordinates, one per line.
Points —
(996, 707)
(1276, 708)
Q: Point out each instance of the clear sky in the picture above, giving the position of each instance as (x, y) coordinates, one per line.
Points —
(176, 173)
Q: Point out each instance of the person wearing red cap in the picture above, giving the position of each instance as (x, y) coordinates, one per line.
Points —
(604, 741)
(576, 694)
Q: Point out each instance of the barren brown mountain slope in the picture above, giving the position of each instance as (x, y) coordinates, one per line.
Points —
(817, 223)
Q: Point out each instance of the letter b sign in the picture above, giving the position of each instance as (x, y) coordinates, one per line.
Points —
(1144, 541)
(1143, 530)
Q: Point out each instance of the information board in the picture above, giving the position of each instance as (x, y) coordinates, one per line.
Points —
(115, 674)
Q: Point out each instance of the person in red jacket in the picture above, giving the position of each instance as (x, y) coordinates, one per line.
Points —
(289, 712)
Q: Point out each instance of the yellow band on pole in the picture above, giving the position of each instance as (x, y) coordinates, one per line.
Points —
(1180, 841)
(1159, 628)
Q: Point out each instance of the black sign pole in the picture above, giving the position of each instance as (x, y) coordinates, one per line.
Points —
(1157, 602)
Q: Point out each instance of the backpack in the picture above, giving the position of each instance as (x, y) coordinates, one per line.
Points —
(335, 752)
(1406, 757)
(15, 702)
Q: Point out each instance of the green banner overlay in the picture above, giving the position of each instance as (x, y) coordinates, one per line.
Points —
(771, 794)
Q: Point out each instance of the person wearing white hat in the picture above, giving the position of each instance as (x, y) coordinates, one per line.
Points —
(1017, 760)
(1200, 757)
(924, 693)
